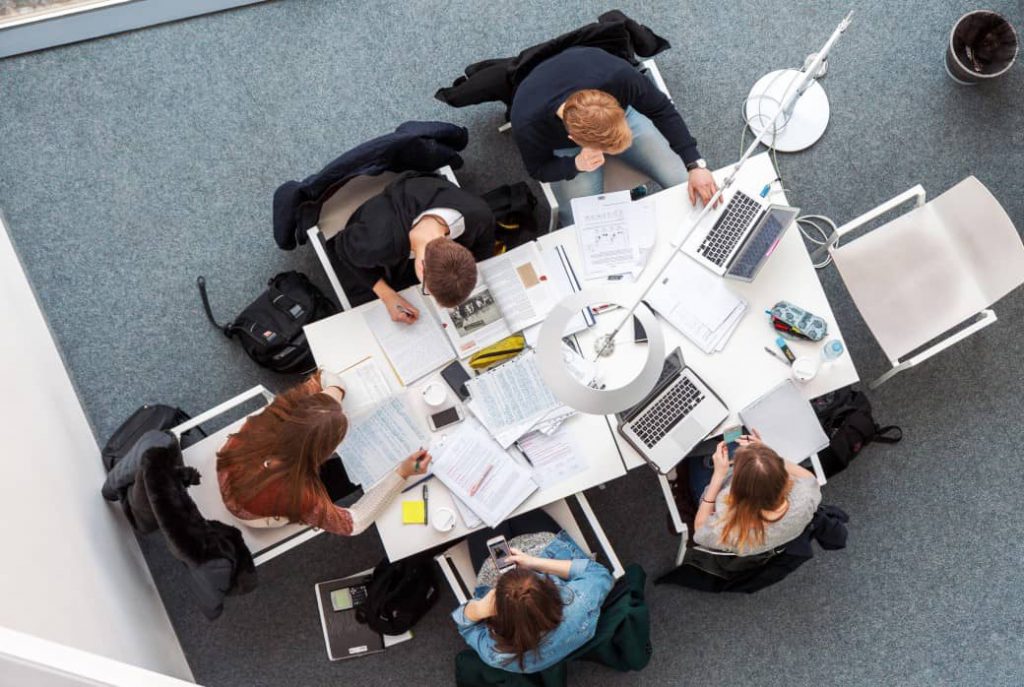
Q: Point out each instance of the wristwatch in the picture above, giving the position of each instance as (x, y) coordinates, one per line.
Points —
(699, 163)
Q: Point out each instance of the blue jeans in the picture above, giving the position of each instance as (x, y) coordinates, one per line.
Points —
(649, 154)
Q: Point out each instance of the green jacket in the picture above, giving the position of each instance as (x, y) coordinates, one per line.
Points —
(622, 642)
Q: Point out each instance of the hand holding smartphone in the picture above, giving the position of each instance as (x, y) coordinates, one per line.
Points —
(501, 554)
(731, 437)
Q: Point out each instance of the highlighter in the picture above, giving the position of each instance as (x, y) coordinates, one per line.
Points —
(781, 343)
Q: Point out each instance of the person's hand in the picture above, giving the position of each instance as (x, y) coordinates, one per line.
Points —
(721, 459)
(400, 309)
(589, 159)
(521, 559)
(415, 464)
(702, 185)
(753, 438)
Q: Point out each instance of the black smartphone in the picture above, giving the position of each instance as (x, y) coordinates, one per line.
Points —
(455, 376)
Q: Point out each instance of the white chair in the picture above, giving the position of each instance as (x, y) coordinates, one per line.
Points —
(339, 208)
(930, 271)
(678, 525)
(618, 176)
(264, 542)
(458, 569)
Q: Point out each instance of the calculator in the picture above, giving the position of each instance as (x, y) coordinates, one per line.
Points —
(348, 598)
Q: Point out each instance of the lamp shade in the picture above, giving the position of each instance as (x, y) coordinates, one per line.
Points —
(570, 390)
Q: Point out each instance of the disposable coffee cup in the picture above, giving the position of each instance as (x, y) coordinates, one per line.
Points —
(434, 395)
(805, 368)
(443, 519)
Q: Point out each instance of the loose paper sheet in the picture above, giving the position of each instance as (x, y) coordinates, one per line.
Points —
(416, 349)
(378, 439)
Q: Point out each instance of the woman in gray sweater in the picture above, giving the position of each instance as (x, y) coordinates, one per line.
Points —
(764, 503)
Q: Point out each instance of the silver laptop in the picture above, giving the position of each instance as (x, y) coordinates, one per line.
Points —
(741, 239)
(678, 413)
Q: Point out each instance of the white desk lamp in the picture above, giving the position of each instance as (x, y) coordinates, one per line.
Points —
(599, 401)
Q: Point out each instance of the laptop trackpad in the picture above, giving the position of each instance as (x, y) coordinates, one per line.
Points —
(688, 433)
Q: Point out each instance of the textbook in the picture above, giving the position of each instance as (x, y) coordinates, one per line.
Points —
(513, 292)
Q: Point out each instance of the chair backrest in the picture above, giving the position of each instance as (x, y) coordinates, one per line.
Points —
(339, 208)
(264, 542)
(927, 271)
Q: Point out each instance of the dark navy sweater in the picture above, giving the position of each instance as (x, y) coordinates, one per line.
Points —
(538, 131)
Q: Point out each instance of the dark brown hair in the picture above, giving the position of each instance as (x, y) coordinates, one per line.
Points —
(298, 431)
(449, 271)
(759, 483)
(595, 119)
(527, 606)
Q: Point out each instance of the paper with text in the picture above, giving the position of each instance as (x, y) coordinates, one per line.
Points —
(475, 323)
(603, 230)
(480, 474)
(510, 399)
(554, 458)
(416, 349)
(520, 283)
(366, 385)
(378, 440)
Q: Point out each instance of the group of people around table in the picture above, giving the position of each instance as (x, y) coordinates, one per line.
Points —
(569, 114)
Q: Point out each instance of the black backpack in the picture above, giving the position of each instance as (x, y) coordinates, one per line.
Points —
(150, 416)
(399, 594)
(270, 328)
(846, 417)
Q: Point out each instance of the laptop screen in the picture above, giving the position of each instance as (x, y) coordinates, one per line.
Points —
(762, 241)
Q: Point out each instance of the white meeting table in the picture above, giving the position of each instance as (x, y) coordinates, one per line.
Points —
(742, 371)
(739, 374)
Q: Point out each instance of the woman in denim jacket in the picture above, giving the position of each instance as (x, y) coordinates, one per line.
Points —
(532, 617)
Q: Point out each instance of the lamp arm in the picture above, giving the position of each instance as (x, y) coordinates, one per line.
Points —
(787, 103)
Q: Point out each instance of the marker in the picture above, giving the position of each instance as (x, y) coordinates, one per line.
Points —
(781, 343)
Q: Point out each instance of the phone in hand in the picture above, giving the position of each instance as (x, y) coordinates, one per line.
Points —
(443, 418)
(731, 437)
(455, 376)
(501, 554)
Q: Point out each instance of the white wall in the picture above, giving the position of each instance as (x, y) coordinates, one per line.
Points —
(71, 571)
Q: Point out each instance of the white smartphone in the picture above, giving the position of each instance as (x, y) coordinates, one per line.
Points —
(500, 554)
(446, 417)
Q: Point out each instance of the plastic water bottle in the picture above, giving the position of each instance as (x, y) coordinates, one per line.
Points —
(832, 350)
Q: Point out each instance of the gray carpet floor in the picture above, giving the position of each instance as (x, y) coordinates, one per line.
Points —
(133, 163)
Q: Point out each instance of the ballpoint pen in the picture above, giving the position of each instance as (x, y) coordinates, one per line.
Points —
(776, 356)
(418, 483)
(426, 505)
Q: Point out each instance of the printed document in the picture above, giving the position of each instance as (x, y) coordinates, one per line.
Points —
(554, 458)
(606, 239)
(366, 385)
(566, 282)
(512, 398)
(520, 284)
(379, 439)
(475, 323)
(480, 474)
(414, 349)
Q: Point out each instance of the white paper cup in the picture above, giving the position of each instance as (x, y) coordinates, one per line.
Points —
(434, 395)
(805, 368)
(443, 519)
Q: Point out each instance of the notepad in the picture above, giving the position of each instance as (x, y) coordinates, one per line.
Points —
(786, 422)
(414, 512)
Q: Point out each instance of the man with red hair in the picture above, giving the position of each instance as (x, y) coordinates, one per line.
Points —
(584, 103)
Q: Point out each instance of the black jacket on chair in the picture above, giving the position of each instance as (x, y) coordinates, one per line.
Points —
(497, 79)
(828, 528)
(413, 146)
(218, 561)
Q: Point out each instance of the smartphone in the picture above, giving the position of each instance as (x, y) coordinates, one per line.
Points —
(455, 376)
(500, 554)
(446, 417)
(731, 437)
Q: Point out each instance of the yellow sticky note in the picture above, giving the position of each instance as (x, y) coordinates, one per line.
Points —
(414, 513)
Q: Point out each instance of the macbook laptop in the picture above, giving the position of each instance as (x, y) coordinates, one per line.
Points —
(742, 238)
(678, 413)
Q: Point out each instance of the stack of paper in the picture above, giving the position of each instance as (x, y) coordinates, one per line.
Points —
(366, 385)
(481, 476)
(615, 234)
(554, 458)
(511, 399)
(378, 439)
(697, 303)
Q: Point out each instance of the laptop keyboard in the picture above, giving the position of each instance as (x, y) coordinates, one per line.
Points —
(658, 420)
(738, 215)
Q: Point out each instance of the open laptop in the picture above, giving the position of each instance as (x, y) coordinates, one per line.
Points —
(678, 413)
(742, 238)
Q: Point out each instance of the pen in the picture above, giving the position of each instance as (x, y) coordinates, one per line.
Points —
(476, 487)
(523, 453)
(404, 310)
(418, 483)
(603, 307)
(426, 506)
(776, 356)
